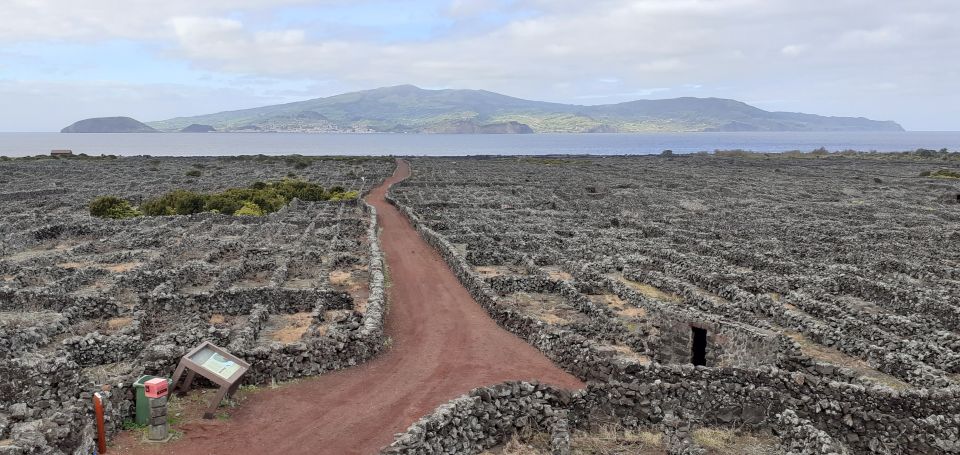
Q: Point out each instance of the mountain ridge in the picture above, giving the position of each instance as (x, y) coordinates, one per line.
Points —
(108, 125)
(410, 109)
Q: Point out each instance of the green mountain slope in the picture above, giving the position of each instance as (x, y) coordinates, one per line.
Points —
(108, 125)
(407, 108)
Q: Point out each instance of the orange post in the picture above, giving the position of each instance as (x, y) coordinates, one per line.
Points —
(101, 431)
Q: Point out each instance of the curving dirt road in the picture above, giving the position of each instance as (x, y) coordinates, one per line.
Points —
(444, 344)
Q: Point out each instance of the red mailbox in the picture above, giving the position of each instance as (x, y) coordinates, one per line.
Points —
(155, 388)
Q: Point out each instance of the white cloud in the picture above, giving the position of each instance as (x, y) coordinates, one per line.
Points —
(633, 94)
(96, 19)
(467, 8)
(860, 39)
(52, 105)
(793, 50)
(882, 86)
(561, 50)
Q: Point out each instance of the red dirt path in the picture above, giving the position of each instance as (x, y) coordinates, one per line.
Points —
(444, 345)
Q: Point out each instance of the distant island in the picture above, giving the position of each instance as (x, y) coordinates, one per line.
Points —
(108, 125)
(198, 128)
(409, 109)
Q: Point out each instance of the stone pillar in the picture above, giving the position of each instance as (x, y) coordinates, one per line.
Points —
(159, 429)
(560, 434)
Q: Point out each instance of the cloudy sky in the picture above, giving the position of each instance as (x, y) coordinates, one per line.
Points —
(63, 60)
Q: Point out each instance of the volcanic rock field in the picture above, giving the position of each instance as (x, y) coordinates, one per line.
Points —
(825, 293)
(713, 305)
(86, 301)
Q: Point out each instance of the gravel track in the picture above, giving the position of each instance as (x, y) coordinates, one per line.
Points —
(444, 345)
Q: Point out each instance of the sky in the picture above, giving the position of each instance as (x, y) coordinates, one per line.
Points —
(64, 60)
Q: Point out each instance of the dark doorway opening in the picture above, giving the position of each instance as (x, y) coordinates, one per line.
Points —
(958, 198)
(699, 350)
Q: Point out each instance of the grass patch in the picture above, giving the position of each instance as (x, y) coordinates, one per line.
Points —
(833, 356)
(130, 425)
(722, 441)
(139, 429)
(606, 440)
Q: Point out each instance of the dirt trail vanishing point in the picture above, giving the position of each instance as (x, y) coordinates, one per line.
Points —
(444, 345)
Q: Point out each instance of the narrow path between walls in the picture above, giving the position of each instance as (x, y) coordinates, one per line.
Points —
(444, 345)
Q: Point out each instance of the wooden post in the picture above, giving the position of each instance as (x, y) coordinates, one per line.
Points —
(101, 429)
(176, 379)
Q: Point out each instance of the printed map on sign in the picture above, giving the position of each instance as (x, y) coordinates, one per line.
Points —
(221, 366)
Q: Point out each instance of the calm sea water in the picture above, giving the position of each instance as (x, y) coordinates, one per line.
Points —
(21, 144)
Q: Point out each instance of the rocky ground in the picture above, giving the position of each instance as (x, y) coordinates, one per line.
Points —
(830, 284)
(86, 301)
(712, 304)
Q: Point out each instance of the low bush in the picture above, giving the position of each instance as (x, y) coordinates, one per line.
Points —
(178, 202)
(258, 199)
(249, 209)
(946, 174)
(194, 173)
(113, 207)
(223, 203)
(344, 196)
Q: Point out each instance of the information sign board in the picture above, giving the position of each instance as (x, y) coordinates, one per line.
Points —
(215, 364)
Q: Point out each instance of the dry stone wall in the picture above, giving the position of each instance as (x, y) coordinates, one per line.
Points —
(489, 416)
(484, 418)
(88, 303)
(757, 376)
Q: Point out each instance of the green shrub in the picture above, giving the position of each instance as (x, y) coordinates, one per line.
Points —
(225, 203)
(194, 173)
(112, 207)
(155, 207)
(344, 196)
(258, 199)
(249, 209)
(298, 161)
(269, 200)
(946, 174)
(299, 189)
(188, 203)
(178, 202)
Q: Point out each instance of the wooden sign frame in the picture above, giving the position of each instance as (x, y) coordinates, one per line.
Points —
(203, 359)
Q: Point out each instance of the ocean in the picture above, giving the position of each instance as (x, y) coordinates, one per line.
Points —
(182, 144)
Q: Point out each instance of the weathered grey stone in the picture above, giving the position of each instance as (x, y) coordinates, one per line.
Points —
(158, 432)
(19, 411)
